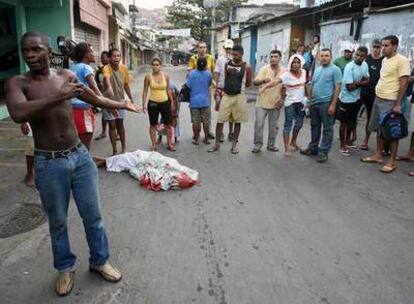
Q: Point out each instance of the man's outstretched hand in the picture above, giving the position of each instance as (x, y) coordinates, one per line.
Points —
(130, 106)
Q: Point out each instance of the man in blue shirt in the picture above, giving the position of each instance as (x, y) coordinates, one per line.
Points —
(199, 82)
(356, 75)
(326, 84)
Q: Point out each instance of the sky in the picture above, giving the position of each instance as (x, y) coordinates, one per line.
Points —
(161, 3)
(153, 3)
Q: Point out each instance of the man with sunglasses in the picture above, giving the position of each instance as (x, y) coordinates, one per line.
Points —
(374, 61)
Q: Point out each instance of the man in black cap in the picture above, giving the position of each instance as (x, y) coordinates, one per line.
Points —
(374, 61)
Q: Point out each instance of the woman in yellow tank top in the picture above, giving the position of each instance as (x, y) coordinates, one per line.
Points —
(157, 83)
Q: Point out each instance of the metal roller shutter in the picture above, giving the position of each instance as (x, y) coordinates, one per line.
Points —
(88, 34)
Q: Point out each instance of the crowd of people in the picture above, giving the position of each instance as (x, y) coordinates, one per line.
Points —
(57, 109)
(379, 84)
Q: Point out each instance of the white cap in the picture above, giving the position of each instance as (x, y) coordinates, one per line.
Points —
(228, 44)
(347, 47)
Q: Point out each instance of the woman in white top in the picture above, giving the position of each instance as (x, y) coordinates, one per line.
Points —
(293, 81)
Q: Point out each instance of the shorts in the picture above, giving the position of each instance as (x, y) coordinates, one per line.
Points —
(348, 112)
(84, 120)
(200, 115)
(381, 106)
(156, 108)
(233, 108)
(368, 101)
(108, 114)
(29, 150)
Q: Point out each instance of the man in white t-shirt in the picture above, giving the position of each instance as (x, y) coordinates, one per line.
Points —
(269, 102)
(219, 80)
(293, 80)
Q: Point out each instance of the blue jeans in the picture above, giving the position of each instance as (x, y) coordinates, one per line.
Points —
(55, 178)
(320, 118)
(293, 112)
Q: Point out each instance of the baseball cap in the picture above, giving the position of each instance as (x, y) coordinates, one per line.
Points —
(376, 42)
(228, 44)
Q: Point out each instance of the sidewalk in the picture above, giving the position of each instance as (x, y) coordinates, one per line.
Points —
(16, 199)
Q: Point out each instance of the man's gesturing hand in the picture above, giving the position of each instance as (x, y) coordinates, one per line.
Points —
(130, 106)
(71, 89)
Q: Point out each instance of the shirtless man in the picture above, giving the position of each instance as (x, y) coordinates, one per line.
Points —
(42, 97)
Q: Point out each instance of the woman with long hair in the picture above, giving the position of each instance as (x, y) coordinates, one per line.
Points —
(159, 103)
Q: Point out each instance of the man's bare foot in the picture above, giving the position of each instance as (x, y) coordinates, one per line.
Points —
(372, 159)
(153, 148)
(405, 157)
(29, 180)
(99, 161)
(123, 151)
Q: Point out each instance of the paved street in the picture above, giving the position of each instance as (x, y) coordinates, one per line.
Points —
(258, 229)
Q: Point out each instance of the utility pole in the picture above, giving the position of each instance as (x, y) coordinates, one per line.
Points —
(213, 26)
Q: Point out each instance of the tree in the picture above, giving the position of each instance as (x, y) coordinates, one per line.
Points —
(192, 14)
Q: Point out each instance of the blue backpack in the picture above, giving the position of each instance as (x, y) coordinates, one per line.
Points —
(393, 126)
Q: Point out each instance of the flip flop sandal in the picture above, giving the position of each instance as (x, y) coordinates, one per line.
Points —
(288, 154)
(411, 173)
(387, 169)
(195, 142)
(371, 160)
(363, 147)
(206, 141)
(234, 150)
(403, 158)
(172, 148)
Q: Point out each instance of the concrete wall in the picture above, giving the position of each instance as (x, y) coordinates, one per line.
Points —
(273, 36)
(51, 20)
(246, 42)
(221, 36)
(378, 25)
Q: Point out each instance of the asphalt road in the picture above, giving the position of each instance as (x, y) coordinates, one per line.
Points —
(258, 229)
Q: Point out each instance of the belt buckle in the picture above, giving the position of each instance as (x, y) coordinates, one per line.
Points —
(65, 153)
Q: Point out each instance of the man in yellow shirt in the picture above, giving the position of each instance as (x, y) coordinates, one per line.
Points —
(192, 65)
(269, 102)
(389, 92)
(201, 52)
(116, 82)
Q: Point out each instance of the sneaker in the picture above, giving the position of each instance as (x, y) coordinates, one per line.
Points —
(255, 150)
(107, 272)
(64, 283)
(322, 158)
(308, 152)
(273, 148)
(345, 152)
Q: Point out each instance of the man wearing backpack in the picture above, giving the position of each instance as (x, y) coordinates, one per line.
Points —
(389, 91)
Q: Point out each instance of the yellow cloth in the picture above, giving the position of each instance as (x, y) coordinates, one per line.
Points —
(107, 72)
(192, 64)
(272, 97)
(158, 90)
(233, 108)
(391, 71)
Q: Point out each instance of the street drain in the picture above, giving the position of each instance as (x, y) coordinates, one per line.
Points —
(25, 218)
